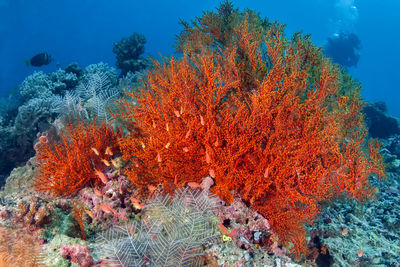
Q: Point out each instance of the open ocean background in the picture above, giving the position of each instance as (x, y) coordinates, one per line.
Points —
(83, 31)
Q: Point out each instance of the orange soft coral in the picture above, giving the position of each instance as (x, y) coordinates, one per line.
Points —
(65, 167)
(271, 128)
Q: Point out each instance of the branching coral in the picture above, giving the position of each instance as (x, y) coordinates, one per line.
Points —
(268, 118)
(77, 160)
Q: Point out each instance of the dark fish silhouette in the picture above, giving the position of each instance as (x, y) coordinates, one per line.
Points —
(39, 60)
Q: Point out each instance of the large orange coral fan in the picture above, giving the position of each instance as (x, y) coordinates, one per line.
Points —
(69, 165)
(274, 129)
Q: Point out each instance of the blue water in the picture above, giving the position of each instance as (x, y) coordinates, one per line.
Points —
(83, 31)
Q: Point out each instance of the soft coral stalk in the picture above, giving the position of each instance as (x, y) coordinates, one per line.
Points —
(66, 166)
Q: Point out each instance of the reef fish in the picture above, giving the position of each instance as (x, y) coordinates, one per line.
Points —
(39, 60)
(101, 175)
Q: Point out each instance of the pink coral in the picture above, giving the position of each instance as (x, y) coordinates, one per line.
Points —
(248, 227)
(110, 203)
(77, 254)
(207, 183)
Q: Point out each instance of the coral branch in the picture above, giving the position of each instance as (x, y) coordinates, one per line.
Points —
(69, 165)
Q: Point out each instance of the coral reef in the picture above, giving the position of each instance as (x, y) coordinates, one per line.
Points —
(248, 227)
(380, 124)
(97, 92)
(74, 69)
(79, 160)
(33, 117)
(36, 85)
(110, 204)
(346, 227)
(128, 52)
(131, 81)
(102, 69)
(20, 182)
(224, 156)
(18, 133)
(77, 254)
(171, 233)
(44, 97)
(33, 214)
(62, 250)
(268, 118)
(92, 96)
(19, 249)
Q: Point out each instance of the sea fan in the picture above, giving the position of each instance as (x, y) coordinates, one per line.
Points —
(171, 233)
(67, 165)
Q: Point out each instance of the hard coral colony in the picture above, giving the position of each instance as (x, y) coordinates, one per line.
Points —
(269, 119)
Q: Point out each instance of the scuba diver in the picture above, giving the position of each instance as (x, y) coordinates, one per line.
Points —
(343, 49)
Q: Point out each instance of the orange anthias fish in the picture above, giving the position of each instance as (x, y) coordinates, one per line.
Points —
(208, 159)
(106, 208)
(101, 175)
(159, 157)
(89, 213)
(193, 185)
(360, 253)
(151, 188)
(223, 229)
(212, 173)
(95, 151)
(201, 120)
(106, 162)
(133, 199)
(108, 151)
(345, 231)
(136, 204)
(114, 163)
(97, 192)
(188, 134)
